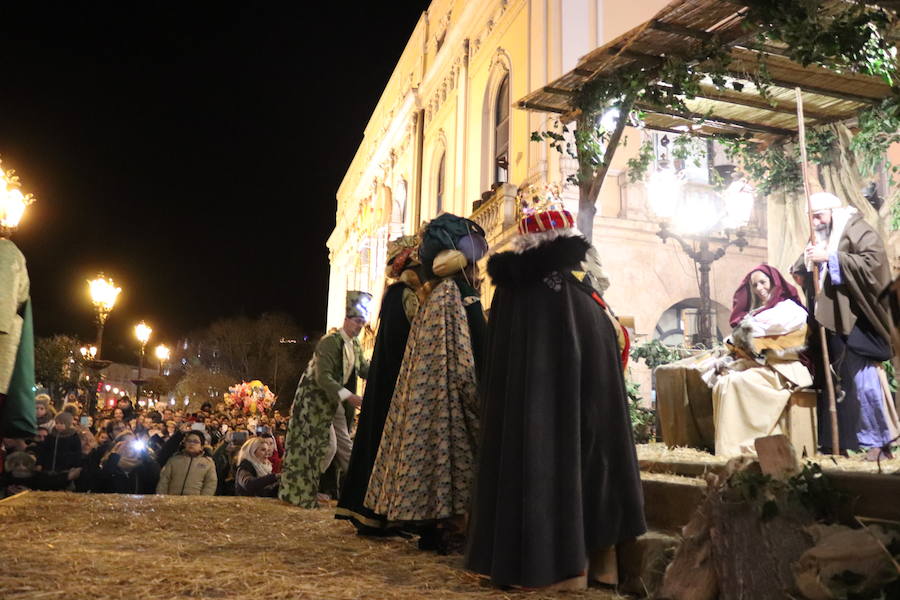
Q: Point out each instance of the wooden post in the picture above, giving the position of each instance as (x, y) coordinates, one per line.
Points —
(826, 361)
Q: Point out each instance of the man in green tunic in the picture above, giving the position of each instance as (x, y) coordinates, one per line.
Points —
(317, 430)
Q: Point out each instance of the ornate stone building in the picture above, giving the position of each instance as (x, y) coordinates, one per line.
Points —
(445, 137)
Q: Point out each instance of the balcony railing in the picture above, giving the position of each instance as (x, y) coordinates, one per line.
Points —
(498, 215)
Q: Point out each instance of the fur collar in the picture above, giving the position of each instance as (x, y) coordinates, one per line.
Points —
(511, 269)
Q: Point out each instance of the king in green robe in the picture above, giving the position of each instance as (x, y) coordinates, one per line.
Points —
(317, 431)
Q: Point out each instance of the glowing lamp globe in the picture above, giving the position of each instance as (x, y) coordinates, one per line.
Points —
(103, 292)
(664, 190)
(739, 201)
(142, 332)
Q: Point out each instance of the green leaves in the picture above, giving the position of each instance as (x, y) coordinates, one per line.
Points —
(848, 37)
(637, 167)
(771, 170)
(879, 127)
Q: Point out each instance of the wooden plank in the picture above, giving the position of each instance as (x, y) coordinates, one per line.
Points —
(676, 29)
(559, 91)
(692, 116)
(716, 95)
(541, 108)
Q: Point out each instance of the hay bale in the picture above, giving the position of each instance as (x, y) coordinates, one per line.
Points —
(88, 546)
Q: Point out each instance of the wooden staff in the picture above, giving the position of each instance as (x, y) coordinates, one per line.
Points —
(826, 361)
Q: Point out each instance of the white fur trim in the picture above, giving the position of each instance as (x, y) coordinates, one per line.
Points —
(528, 241)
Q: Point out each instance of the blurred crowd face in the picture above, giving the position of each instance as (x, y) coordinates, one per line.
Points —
(41, 434)
(118, 414)
(193, 445)
(262, 452)
(40, 410)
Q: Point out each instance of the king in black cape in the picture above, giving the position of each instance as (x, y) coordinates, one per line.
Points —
(384, 368)
(558, 475)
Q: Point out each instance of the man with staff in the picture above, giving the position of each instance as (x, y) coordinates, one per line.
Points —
(853, 269)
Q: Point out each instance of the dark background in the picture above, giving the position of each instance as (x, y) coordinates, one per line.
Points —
(192, 153)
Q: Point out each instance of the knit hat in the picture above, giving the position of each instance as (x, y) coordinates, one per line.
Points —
(65, 419)
(43, 399)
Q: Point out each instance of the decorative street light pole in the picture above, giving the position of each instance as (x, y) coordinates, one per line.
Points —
(162, 355)
(704, 257)
(696, 211)
(103, 296)
(142, 332)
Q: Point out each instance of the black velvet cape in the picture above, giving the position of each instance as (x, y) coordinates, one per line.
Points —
(387, 356)
(558, 474)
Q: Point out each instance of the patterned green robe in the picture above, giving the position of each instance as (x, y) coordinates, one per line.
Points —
(315, 403)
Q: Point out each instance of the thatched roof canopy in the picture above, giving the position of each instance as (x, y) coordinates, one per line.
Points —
(681, 29)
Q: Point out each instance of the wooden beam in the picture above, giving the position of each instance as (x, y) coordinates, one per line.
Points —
(694, 132)
(697, 34)
(783, 108)
(559, 91)
(583, 72)
(819, 91)
(541, 108)
(692, 116)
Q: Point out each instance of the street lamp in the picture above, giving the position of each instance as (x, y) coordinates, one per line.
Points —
(103, 293)
(142, 332)
(12, 202)
(162, 355)
(693, 209)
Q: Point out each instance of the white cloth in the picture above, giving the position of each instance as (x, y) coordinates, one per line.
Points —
(340, 445)
(783, 318)
(349, 364)
(750, 401)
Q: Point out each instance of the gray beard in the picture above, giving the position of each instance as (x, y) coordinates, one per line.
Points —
(823, 234)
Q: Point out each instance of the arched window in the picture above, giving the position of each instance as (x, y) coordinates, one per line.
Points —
(501, 132)
(398, 206)
(439, 185)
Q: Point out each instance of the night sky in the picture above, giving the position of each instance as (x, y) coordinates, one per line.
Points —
(192, 153)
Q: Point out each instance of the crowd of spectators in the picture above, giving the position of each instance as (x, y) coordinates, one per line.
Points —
(160, 449)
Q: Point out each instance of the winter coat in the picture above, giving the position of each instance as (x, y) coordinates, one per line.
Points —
(140, 480)
(186, 475)
(248, 483)
(225, 469)
(59, 451)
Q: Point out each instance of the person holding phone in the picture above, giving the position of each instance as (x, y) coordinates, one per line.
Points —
(128, 468)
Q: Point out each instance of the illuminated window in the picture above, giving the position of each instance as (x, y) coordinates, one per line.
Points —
(501, 133)
(439, 185)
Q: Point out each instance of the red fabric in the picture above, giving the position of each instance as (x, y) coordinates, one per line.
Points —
(743, 297)
(626, 350)
(546, 220)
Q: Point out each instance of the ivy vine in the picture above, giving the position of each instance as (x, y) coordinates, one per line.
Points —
(849, 37)
(879, 127)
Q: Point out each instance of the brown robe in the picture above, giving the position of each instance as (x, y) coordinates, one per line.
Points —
(864, 274)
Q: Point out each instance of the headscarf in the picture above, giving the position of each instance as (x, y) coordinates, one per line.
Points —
(743, 297)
